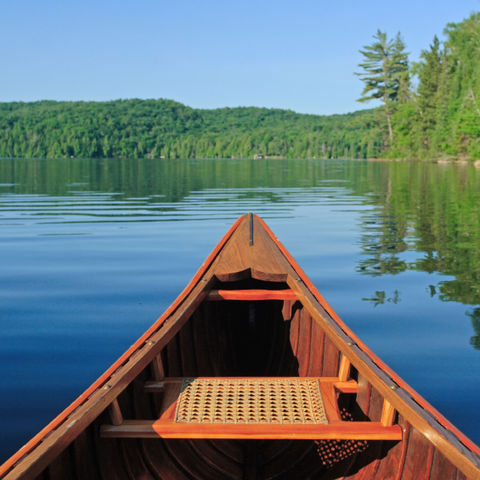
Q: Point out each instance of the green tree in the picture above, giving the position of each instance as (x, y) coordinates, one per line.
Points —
(385, 74)
(429, 75)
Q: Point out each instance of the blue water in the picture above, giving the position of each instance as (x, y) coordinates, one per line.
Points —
(93, 251)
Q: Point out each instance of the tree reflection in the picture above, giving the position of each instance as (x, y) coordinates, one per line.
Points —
(380, 297)
(434, 211)
(475, 317)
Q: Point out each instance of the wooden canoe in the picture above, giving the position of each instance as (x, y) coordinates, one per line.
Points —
(249, 374)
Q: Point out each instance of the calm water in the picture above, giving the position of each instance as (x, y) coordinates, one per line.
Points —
(93, 251)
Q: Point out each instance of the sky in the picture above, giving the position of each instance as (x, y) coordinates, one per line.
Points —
(299, 55)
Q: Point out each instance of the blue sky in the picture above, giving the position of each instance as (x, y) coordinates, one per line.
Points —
(299, 55)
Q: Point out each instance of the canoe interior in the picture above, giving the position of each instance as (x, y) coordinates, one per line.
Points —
(250, 338)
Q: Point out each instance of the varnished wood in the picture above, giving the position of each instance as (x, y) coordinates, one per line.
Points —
(157, 367)
(312, 341)
(344, 370)
(388, 414)
(350, 386)
(167, 427)
(332, 431)
(251, 295)
(115, 413)
(330, 402)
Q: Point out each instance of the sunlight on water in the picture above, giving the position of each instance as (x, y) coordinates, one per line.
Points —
(93, 251)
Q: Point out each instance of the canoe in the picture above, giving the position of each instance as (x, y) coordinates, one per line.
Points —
(249, 374)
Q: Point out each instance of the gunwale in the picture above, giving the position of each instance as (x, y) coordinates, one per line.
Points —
(460, 450)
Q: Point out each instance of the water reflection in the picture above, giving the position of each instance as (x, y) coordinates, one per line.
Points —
(380, 297)
(420, 208)
(91, 251)
(475, 317)
(432, 211)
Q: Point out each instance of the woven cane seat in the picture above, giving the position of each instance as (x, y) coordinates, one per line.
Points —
(251, 401)
(250, 408)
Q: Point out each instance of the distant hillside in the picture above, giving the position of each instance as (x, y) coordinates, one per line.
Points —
(164, 128)
(438, 118)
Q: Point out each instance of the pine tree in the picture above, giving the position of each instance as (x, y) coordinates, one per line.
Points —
(429, 75)
(385, 74)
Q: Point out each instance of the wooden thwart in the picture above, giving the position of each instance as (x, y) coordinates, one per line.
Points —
(332, 431)
(350, 386)
(232, 409)
(251, 295)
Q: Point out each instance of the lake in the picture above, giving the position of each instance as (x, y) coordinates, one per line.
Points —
(93, 251)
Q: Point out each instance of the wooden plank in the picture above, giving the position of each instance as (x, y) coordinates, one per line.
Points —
(251, 295)
(61, 467)
(303, 347)
(196, 467)
(317, 340)
(418, 458)
(159, 460)
(287, 310)
(133, 461)
(158, 371)
(199, 320)
(295, 332)
(115, 413)
(84, 457)
(344, 369)
(330, 401)
(442, 468)
(209, 451)
(388, 414)
(332, 431)
(186, 344)
(331, 355)
(392, 465)
(350, 386)
(376, 404)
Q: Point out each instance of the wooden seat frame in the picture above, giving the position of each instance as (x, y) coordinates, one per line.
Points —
(166, 426)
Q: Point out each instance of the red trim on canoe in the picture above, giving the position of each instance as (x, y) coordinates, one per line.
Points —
(400, 382)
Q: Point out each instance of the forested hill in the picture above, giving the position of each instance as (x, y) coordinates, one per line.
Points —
(164, 128)
(430, 109)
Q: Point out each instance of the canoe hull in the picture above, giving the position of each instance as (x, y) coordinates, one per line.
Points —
(248, 312)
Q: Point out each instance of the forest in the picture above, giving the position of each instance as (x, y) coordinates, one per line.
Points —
(167, 129)
(441, 117)
(430, 109)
